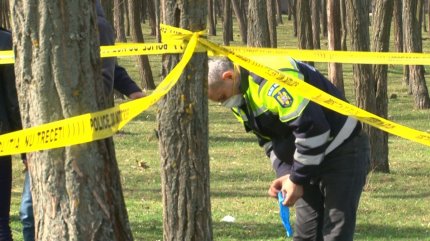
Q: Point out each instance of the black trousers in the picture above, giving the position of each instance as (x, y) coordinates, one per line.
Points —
(327, 210)
(5, 194)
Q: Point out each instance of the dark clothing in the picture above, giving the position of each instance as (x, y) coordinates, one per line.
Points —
(327, 210)
(322, 150)
(10, 120)
(114, 76)
(302, 133)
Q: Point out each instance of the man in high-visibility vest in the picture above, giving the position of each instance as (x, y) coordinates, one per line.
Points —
(321, 157)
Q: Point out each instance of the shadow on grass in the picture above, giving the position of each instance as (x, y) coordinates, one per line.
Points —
(224, 138)
(404, 196)
(153, 230)
(387, 232)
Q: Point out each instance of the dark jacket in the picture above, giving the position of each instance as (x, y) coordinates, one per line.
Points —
(10, 119)
(305, 138)
(114, 76)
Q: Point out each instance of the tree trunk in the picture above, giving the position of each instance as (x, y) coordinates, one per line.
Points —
(157, 19)
(278, 12)
(335, 70)
(324, 18)
(76, 190)
(398, 26)
(382, 16)
(423, 16)
(227, 23)
(118, 12)
(304, 25)
(428, 11)
(315, 16)
(152, 17)
(145, 71)
(127, 26)
(241, 19)
(344, 22)
(4, 15)
(290, 7)
(293, 7)
(413, 44)
(364, 82)
(271, 20)
(183, 135)
(211, 18)
(258, 29)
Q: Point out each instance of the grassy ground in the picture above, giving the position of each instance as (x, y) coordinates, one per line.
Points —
(394, 206)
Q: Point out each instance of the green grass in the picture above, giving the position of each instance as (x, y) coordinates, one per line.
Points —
(394, 206)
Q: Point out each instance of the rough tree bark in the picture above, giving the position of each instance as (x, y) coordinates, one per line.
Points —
(413, 44)
(382, 16)
(364, 82)
(241, 19)
(335, 70)
(258, 29)
(143, 66)
(183, 135)
(76, 190)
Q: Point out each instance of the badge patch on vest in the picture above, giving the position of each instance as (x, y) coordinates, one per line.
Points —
(284, 98)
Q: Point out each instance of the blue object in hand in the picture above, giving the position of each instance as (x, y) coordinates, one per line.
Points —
(284, 212)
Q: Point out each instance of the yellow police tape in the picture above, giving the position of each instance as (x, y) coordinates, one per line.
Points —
(103, 124)
(312, 93)
(92, 126)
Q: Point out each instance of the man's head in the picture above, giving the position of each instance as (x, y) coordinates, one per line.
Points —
(223, 81)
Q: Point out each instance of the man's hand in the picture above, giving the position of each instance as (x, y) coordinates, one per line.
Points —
(290, 190)
(136, 95)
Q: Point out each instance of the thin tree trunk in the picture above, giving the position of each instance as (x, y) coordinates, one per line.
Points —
(76, 190)
(398, 25)
(211, 18)
(258, 29)
(118, 12)
(278, 12)
(344, 22)
(145, 71)
(241, 19)
(293, 7)
(183, 135)
(382, 16)
(127, 26)
(324, 18)
(271, 20)
(4, 15)
(152, 17)
(364, 82)
(413, 44)
(227, 23)
(304, 25)
(315, 16)
(335, 70)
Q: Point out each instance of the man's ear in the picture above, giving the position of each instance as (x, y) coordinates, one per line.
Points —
(227, 74)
